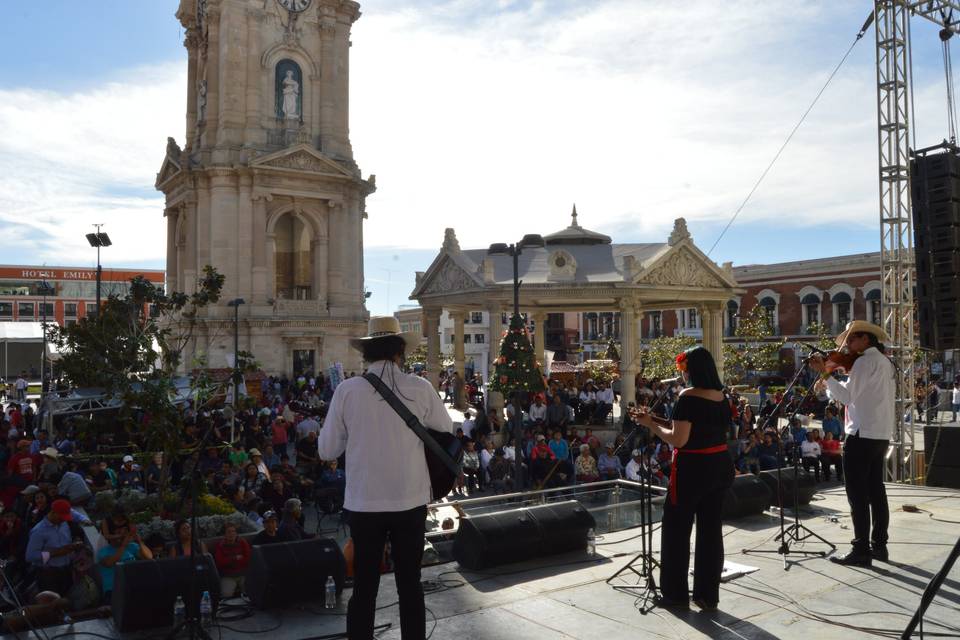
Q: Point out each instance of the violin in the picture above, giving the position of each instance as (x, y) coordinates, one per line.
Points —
(839, 359)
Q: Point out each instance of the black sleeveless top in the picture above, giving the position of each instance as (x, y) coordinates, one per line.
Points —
(710, 420)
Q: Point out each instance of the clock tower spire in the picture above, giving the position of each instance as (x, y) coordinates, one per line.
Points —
(265, 187)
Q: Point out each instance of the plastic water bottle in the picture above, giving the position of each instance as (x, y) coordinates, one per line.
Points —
(179, 612)
(591, 542)
(331, 600)
(206, 610)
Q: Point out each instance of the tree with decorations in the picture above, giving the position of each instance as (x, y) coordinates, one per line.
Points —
(517, 368)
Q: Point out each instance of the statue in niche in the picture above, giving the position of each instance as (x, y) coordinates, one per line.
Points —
(291, 91)
(202, 101)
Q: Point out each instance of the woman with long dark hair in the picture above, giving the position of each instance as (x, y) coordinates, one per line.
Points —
(701, 472)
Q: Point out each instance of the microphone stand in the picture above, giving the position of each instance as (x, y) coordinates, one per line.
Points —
(647, 587)
(796, 532)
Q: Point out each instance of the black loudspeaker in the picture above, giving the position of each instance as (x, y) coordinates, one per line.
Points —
(747, 496)
(492, 539)
(935, 181)
(940, 446)
(806, 486)
(289, 572)
(144, 592)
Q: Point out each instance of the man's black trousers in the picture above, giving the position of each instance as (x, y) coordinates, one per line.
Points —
(369, 531)
(863, 462)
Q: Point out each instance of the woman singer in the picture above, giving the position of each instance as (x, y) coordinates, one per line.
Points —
(701, 472)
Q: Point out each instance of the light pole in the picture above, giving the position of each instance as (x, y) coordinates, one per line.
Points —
(45, 289)
(98, 239)
(235, 303)
(514, 251)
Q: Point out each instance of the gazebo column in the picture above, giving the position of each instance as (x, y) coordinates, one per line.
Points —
(711, 318)
(496, 328)
(459, 360)
(539, 338)
(628, 354)
(432, 322)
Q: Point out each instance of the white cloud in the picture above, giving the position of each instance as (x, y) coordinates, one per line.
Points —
(70, 160)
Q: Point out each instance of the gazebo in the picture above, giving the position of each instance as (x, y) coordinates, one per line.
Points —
(576, 270)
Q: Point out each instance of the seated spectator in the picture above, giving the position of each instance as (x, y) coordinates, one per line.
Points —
(111, 474)
(500, 472)
(586, 466)
(831, 455)
(74, 487)
(542, 468)
(232, 555)
(333, 476)
(276, 494)
(270, 533)
(129, 476)
(256, 458)
(290, 527)
(50, 471)
(112, 526)
(270, 457)
(574, 441)
(768, 453)
(210, 461)
(238, 455)
(468, 425)
(154, 475)
(253, 481)
(537, 414)
(588, 402)
(129, 548)
(184, 540)
(494, 420)
(13, 536)
(558, 415)
(157, 546)
(635, 466)
(23, 464)
(39, 508)
(609, 465)
(604, 403)
(469, 468)
(749, 460)
(486, 455)
(50, 548)
(810, 452)
(559, 446)
(307, 457)
(97, 478)
(66, 445)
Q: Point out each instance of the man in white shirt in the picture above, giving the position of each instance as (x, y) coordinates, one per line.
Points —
(604, 403)
(634, 466)
(955, 400)
(468, 424)
(305, 426)
(810, 452)
(869, 395)
(537, 412)
(388, 487)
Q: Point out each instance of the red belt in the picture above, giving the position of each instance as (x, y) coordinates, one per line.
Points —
(673, 466)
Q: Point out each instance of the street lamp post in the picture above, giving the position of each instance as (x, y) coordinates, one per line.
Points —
(514, 251)
(45, 289)
(98, 239)
(235, 303)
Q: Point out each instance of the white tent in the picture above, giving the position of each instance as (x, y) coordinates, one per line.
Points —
(19, 333)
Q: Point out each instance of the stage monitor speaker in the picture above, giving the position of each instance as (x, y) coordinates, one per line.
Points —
(144, 592)
(492, 539)
(288, 572)
(939, 476)
(940, 446)
(747, 496)
(806, 486)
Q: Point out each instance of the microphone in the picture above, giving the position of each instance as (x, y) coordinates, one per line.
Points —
(812, 348)
(672, 380)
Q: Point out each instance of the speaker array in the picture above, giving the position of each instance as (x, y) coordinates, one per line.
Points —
(936, 227)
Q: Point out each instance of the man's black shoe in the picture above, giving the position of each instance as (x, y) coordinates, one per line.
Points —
(879, 552)
(852, 559)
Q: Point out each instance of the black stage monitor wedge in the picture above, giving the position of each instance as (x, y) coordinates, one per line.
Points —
(144, 591)
(290, 572)
(941, 444)
(747, 496)
(805, 489)
(493, 539)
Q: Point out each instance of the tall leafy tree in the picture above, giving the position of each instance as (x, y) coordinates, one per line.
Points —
(755, 349)
(658, 357)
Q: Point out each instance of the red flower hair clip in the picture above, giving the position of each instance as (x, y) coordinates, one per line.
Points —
(681, 361)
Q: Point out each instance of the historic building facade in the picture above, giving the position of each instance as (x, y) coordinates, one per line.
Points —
(265, 188)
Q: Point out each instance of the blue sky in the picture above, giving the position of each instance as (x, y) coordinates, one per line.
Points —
(490, 116)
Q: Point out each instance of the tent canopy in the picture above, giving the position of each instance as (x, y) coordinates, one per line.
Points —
(21, 332)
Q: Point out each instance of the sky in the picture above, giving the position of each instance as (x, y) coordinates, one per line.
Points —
(489, 116)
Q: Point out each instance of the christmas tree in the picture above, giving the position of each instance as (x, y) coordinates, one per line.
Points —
(517, 368)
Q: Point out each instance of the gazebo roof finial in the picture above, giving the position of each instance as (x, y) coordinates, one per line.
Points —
(573, 216)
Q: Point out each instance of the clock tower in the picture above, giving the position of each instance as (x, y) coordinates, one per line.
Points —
(264, 187)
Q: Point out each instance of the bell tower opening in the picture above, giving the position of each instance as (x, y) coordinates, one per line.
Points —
(293, 258)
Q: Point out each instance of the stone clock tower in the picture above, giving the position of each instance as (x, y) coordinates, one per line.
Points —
(265, 187)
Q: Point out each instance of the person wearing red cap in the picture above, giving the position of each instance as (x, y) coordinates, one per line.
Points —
(51, 547)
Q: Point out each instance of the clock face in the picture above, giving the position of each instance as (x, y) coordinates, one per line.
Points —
(294, 5)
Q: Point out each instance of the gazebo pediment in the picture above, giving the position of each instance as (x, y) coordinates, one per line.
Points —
(447, 277)
(683, 265)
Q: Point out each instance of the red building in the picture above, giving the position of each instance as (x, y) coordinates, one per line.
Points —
(74, 291)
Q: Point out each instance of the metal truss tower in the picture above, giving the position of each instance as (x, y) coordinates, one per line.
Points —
(892, 25)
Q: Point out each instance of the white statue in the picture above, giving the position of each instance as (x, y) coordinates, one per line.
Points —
(291, 91)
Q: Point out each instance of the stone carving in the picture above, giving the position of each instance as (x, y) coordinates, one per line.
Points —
(562, 265)
(202, 101)
(450, 242)
(298, 307)
(679, 233)
(449, 277)
(291, 91)
(173, 149)
(302, 161)
(682, 268)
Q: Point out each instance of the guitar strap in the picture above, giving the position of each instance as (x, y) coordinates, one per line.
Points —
(413, 422)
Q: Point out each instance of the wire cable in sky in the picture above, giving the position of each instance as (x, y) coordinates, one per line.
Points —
(863, 30)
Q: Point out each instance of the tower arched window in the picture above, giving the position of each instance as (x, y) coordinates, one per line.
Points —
(842, 310)
(293, 258)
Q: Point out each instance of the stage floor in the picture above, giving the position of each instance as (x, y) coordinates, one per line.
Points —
(566, 597)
